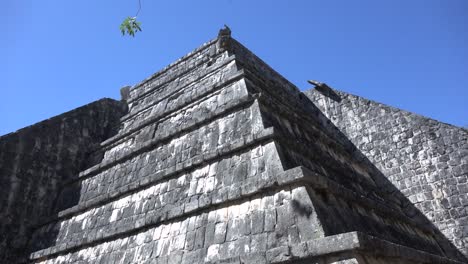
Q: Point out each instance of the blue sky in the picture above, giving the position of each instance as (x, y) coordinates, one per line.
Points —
(59, 55)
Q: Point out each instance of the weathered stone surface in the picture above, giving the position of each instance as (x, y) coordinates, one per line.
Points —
(173, 236)
(37, 160)
(222, 160)
(425, 159)
(166, 200)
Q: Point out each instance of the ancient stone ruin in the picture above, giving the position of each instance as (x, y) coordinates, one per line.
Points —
(219, 159)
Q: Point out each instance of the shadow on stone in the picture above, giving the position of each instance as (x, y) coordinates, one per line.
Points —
(390, 193)
(301, 209)
(37, 162)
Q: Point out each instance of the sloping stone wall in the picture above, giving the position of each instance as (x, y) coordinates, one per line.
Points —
(425, 159)
(37, 160)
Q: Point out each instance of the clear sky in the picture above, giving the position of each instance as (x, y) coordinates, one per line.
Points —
(59, 55)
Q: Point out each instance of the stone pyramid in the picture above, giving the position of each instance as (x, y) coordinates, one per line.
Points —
(221, 160)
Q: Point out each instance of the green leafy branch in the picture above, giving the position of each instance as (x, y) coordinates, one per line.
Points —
(130, 25)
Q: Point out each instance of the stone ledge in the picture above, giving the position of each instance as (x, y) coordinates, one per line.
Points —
(375, 246)
(302, 111)
(168, 67)
(295, 176)
(215, 87)
(299, 175)
(248, 58)
(240, 102)
(351, 195)
(379, 205)
(351, 243)
(321, 182)
(184, 86)
(347, 242)
(277, 93)
(165, 174)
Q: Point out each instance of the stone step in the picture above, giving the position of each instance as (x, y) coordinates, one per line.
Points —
(226, 109)
(166, 174)
(271, 191)
(272, 222)
(188, 61)
(197, 76)
(210, 97)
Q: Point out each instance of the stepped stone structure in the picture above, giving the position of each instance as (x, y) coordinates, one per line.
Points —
(219, 159)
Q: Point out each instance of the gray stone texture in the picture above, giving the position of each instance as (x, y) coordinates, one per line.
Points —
(221, 160)
(425, 159)
(37, 160)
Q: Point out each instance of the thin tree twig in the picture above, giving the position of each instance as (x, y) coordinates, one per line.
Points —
(139, 8)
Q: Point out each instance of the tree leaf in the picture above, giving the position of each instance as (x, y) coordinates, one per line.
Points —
(130, 26)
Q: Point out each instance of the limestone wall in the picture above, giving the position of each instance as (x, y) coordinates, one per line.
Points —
(425, 159)
(37, 160)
